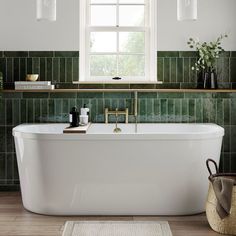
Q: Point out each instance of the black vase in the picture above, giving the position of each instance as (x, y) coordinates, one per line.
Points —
(210, 80)
(200, 80)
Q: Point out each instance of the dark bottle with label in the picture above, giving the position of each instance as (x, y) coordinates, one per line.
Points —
(74, 117)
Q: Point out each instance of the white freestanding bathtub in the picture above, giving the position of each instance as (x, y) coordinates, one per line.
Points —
(160, 170)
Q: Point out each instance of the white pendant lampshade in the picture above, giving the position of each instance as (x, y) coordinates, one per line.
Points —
(46, 10)
(186, 10)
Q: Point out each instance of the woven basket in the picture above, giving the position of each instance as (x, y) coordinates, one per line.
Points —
(228, 224)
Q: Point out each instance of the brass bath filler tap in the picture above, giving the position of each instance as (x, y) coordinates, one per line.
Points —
(117, 113)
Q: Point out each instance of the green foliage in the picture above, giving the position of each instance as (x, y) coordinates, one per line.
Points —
(207, 52)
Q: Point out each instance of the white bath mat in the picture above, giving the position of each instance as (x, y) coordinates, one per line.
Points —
(117, 228)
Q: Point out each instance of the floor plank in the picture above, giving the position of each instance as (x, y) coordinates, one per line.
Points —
(16, 221)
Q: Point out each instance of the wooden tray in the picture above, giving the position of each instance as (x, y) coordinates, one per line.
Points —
(77, 130)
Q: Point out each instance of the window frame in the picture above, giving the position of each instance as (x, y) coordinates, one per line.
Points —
(150, 51)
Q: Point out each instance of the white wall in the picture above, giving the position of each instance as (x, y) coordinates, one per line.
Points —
(215, 17)
(19, 29)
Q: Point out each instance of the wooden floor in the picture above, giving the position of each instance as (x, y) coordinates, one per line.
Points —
(15, 220)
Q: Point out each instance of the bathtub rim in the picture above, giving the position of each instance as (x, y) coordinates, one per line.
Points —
(217, 133)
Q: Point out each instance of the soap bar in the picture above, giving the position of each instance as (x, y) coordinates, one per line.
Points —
(74, 130)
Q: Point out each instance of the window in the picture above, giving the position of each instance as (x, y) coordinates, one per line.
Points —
(118, 39)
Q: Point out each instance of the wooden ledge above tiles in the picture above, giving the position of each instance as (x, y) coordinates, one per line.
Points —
(123, 90)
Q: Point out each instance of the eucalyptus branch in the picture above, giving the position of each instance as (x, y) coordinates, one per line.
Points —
(207, 53)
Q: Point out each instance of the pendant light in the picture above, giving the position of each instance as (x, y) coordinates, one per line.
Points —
(186, 10)
(46, 10)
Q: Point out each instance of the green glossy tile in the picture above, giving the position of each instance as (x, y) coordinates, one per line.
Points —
(142, 105)
(30, 110)
(233, 54)
(150, 110)
(67, 54)
(35, 65)
(192, 73)
(15, 170)
(9, 112)
(185, 116)
(35, 95)
(233, 163)
(75, 62)
(171, 111)
(92, 95)
(192, 110)
(186, 70)
(9, 168)
(16, 69)
(16, 54)
(3, 63)
(225, 54)
(3, 139)
(23, 111)
(142, 86)
(91, 86)
(29, 62)
(58, 109)
(178, 110)
(2, 112)
(9, 69)
(209, 111)
(220, 111)
(170, 95)
(188, 85)
(2, 167)
(229, 112)
(9, 139)
(63, 95)
(233, 138)
(225, 163)
(160, 69)
(69, 70)
(164, 110)
(56, 70)
(118, 95)
(168, 86)
(41, 54)
(233, 69)
(167, 69)
(198, 95)
(147, 95)
(16, 110)
(62, 65)
(37, 109)
(44, 110)
(167, 54)
(173, 70)
(188, 54)
(199, 110)
(180, 72)
(115, 86)
(49, 69)
(23, 67)
(226, 140)
(42, 75)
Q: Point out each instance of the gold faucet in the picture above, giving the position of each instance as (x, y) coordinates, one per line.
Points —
(116, 113)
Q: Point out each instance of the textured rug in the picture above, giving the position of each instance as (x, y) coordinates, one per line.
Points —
(117, 228)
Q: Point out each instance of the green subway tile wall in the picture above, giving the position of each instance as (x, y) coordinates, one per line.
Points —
(62, 68)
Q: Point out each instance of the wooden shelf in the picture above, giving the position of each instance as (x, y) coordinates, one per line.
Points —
(123, 90)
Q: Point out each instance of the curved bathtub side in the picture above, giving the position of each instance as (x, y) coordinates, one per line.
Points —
(115, 177)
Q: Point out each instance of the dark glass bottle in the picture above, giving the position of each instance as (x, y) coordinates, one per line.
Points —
(74, 117)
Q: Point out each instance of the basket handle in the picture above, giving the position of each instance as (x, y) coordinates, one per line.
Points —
(208, 166)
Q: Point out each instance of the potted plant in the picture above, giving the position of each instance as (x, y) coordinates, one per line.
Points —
(206, 63)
